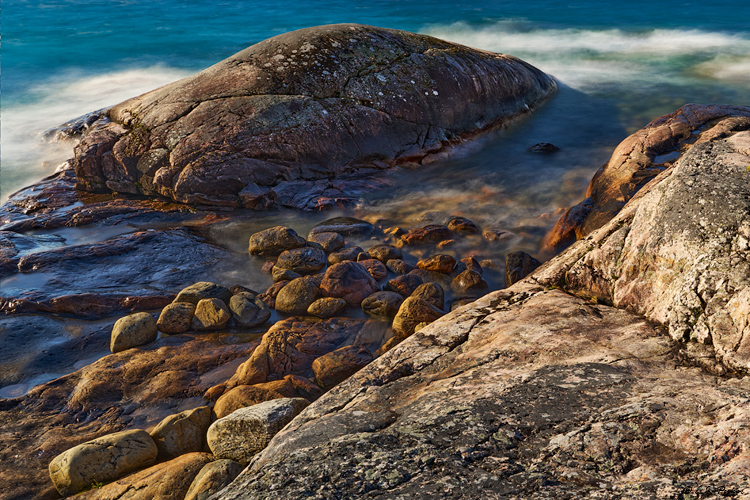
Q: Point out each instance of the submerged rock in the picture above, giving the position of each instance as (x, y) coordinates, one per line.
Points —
(307, 105)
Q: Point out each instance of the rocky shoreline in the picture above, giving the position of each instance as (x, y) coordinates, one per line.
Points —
(371, 367)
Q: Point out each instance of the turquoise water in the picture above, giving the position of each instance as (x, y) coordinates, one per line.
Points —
(622, 64)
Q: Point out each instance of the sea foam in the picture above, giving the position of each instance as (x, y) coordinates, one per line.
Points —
(25, 156)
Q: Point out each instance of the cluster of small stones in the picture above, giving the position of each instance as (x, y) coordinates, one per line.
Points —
(320, 276)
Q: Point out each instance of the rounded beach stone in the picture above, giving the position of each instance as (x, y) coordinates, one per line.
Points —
(376, 268)
(328, 242)
(349, 281)
(242, 434)
(101, 460)
(384, 253)
(382, 304)
(210, 314)
(133, 330)
(279, 274)
(212, 478)
(336, 366)
(305, 260)
(412, 312)
(182, 433)
(440, 263)
(248, 310)
(469, 281)
(243, 396)
(398, 266)
(427, 235)
(432, 293)
(203, 290)
(274, 240)
(404, 284)
(176, 317)
(472, 263)
(297, 296)
(327, 307)
(462, 225)
(344, 255)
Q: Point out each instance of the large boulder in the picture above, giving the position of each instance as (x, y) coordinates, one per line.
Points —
(102, 460)
(245, 432)
(307, 105)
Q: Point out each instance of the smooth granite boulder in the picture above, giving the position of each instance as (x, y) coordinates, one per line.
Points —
(210, 314)
(246, 431)
(165, 481)
(305, 260)
(327, 307)
(102, 460)
(277, 120)
(413, 311)
(212, 478)
(133, 330)
(182, 433)
(176, 317)
(382, 304)
(248, 310)
(297, 296)
(274, 240)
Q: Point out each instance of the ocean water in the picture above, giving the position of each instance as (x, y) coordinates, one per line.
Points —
(619, 67)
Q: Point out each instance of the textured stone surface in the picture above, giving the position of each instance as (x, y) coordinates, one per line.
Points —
(345, 226)
(304, 105)
(438, 263)
(382, 304)
(133, 330)
(432, 293)
(349, 281)
(336, 366)
(274, 240)
(101, 460)
(184, 432)
(404, 284)
(468, 282)
(638, 159)
(384, 253)
(328, 242)
(377, 269)
(297, 296)
(203, 290)
(533, 392)
(349, 253)
(327, 307)
(518, 265)
(176, 317)
(305, 260)
(413, 311)
(245, 432)
(248, 310)
(166, 481)
(241, 397)
(210, 314)
(212, 478)
(431, 234)
(685, 265)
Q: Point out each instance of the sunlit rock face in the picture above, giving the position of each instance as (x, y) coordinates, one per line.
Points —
(279, 120)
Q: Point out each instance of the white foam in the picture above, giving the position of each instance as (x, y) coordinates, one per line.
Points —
(588, 59)
(25, 158)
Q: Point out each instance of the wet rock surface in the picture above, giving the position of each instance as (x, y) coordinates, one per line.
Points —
(533, 392)
(303, 106)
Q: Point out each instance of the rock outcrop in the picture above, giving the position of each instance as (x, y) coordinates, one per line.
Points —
(276, 122)
(545, 390)
(639, 159)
